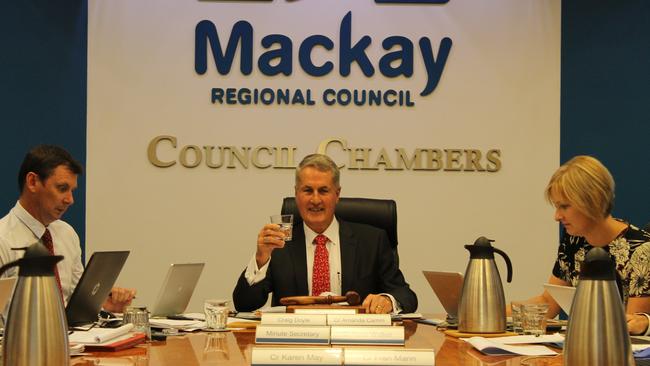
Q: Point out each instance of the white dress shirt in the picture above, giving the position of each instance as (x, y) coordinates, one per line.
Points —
(255, 275)
(20, 229)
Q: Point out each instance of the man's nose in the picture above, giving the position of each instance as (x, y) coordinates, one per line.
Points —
(68, 199)
(315, 198)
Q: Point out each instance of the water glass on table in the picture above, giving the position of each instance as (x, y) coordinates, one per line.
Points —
(534, 318)
(516, 314)
(286, 224)
(139, 317)
(216, 314)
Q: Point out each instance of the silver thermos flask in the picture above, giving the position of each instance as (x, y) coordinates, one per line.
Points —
(597, 331)
(482, 307)
(36, 331)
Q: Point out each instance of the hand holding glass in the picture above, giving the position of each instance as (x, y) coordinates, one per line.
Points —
(286, 224)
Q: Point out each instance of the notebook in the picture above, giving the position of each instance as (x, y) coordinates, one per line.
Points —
(177, 289)
(563, 295)
(94, 286)
(448, 287)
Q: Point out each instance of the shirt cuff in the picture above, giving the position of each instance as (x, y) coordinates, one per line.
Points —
(396, 307)
(253, 274)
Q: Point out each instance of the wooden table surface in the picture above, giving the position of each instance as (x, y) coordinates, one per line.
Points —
(234, 348)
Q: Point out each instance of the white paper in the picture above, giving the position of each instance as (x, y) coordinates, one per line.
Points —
(488, 347)
(99, 335)
(529, 339)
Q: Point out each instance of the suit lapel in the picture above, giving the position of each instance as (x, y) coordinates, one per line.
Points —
(348, 256)
(299, 259)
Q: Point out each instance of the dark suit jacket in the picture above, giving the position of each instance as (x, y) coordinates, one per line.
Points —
(368, 266)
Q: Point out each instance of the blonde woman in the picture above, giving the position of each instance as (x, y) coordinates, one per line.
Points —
(582, 191)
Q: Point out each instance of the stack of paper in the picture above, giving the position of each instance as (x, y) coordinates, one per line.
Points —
(99, 335)
(504, 345)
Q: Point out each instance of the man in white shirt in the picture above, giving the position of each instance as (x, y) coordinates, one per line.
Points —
(324, 253)
(46, 181)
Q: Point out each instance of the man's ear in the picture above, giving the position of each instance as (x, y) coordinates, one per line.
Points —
(32, 180)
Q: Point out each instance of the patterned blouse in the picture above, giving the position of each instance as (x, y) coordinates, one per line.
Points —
(631, 252)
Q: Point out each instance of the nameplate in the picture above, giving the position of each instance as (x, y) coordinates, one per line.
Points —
(379, 335)
(358, 319)
(293, 319)
(389, 357)
(263, 356)
(281, 334)
(326, 311)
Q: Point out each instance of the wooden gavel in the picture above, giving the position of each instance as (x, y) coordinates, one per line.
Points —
(351, 297)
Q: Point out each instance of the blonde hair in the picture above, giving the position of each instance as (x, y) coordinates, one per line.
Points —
(587, 184)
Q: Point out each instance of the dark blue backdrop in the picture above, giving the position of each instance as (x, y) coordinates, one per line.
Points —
(605, 108)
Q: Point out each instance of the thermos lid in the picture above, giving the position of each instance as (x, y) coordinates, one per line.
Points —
(37, 261)
(598, 265)
(481, 249)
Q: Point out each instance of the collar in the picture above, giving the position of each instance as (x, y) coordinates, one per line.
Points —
(26, 218)
(331, 232)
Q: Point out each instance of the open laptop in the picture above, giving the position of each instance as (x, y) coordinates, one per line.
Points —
(448, 287)
(94, 286)
(177, 289)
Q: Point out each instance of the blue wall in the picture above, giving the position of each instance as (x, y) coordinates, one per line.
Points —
(605, 102)
(43, 89)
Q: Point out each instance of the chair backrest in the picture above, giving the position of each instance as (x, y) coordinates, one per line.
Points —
(375, 212)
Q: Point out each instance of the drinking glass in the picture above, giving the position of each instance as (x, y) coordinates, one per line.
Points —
(286, 224)
(216, 314)
(516, 313)
(534, 318)
(139, 317)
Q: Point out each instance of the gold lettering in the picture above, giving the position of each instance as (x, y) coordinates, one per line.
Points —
(241, 156)
(473, 160)
(453, 160)
(403, 159)
(383, 159)
(208, 157)
(324, 145)
(285, 157)
(197, 156)
(494, 157)
(152, 151)
(355, 158)
(434, 160)
(255, 158)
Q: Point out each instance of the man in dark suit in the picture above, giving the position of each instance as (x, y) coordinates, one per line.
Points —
(324, 255)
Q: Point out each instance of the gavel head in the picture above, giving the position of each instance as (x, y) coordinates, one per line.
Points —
(352, 298)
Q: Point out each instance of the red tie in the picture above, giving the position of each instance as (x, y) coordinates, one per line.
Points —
(321, 272)
(47, 241)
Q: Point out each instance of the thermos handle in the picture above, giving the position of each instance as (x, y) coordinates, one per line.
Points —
(508, 263)
(9, 265)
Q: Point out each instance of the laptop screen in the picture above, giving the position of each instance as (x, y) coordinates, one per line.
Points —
(448, 287)
(177, 289)
(94, 286)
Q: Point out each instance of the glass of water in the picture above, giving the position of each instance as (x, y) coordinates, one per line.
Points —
(139, 317)
(216, 314)
(534, 318)
(286, 224)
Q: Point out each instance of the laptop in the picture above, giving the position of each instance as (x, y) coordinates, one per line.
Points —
(448, 287)
(94, 286)
(563, 295)
(177, 289)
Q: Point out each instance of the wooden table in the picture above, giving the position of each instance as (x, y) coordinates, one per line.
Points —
(234, 348)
